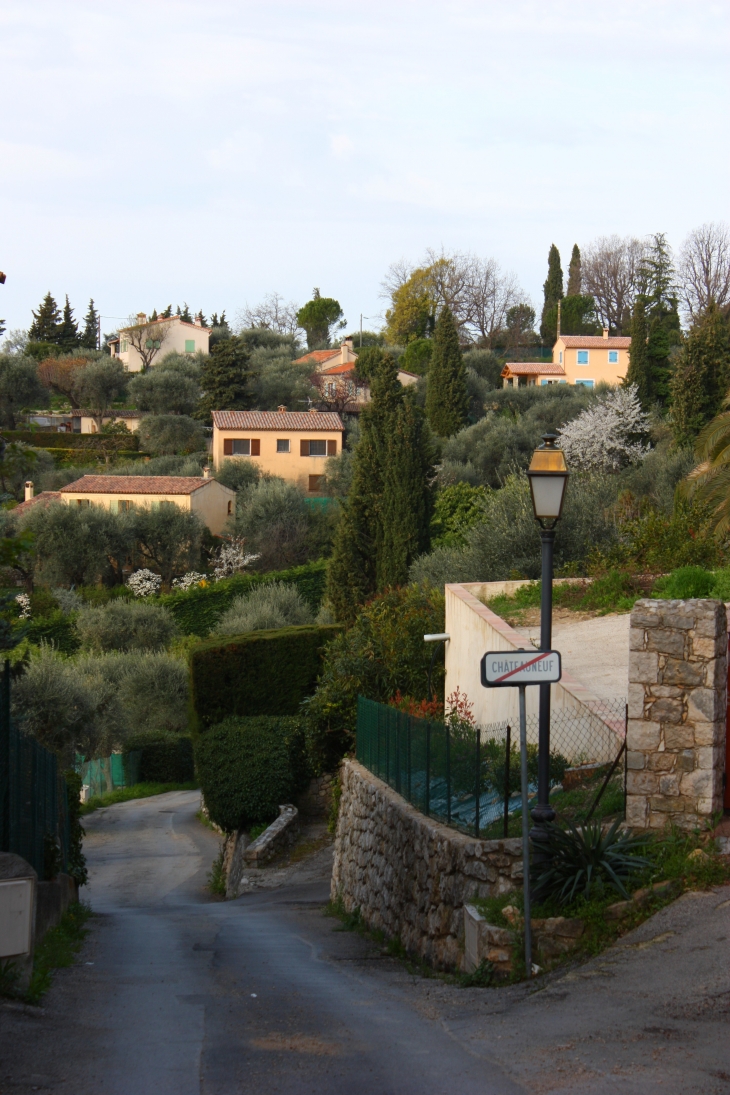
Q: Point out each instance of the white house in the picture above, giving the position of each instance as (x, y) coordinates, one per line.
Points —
(149, 340)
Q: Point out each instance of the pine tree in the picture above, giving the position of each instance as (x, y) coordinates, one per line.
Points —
(447, 399)
(225, 378)
(68, 332)
(552, 288)
(701, 376)
(185, 314)
(90, 334)
(639, 372)
(46, 322)
(575, 277)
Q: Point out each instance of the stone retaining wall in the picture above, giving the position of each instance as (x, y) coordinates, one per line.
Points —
(410, 876)
(677, 710)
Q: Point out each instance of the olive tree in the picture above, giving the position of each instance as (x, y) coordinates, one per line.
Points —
(167, 539)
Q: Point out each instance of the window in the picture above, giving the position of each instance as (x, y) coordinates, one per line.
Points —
(585, 383)
(83, 502)
(230, 508)
(561, 357)
(189, 345)
(315, 483)
(241, 446)
(613, 357)
(283, 445)
(312, 448)
(125, 504)
(582, 357)
(124, 346)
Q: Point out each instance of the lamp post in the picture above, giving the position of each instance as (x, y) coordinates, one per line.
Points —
(548, 476)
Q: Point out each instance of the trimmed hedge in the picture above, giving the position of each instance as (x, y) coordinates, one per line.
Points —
(159, 760)
(248, 767)
(50, 439)
(259, 673)
(198, 610)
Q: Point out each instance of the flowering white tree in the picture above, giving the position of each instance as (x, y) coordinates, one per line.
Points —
(144, 583)
(192, 578)
(609, 435)
(23, 600)
(232, 558)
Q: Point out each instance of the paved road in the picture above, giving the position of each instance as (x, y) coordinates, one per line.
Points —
(177, 994)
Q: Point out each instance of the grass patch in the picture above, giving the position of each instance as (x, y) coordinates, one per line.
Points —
(57, 949)
(574, 805)
(137, 790)
(205, 820)
(256, 830)
(217, 877)
(616, 591)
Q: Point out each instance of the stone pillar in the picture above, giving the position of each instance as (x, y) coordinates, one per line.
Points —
(677, 711)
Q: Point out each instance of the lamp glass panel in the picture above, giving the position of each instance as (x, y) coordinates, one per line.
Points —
(547, 494)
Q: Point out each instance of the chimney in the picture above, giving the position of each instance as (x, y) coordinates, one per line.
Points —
(29, 490)
(141, 317)
(347, 343)
(198, 320)
(605, 332)
(281, 408)
(313, 410)
(207, 473)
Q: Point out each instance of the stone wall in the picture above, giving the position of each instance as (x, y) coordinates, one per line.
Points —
(409, 875)
(677, 711)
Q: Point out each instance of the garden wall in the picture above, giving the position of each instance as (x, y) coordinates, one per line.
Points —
(409, 875)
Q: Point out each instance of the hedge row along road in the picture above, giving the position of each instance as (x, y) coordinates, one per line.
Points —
(177, 994)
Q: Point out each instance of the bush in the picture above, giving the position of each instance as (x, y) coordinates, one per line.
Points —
(238, 474)
(248, 767)
(585, 860)
(56, 629)
(159, 759)
(126, 625)
(274, 518)
(262, 673)
(274, 605)
(171, 433)
(684, 583)
(198, 610)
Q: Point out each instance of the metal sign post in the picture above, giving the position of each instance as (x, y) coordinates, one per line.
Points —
(519, 668)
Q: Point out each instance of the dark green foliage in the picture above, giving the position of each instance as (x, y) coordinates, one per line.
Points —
(171, 434)
(639, 372)
(90, 334)
(19, 387)
(259, 673)
(685, 583)
(382, 653)
(152, 758)
(164, 390)
(574, 274)
(98, 385)
(318, 317)
(76, 865)
(44, 440)
(198, 610)
(664, 336)
(457, 508)
(417, 357)
(577, 317)
(586, 861)
(46, 322)
(486, 365)
(226, 377)
(168, 539)
(39, 351)
(407, 503)
(56, 629)
(552, 288)
(701, 375)
(68, 331)
(248, 767)
(446, 394)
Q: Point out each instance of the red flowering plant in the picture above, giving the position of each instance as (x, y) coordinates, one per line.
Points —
(459, 715)
(419, 709)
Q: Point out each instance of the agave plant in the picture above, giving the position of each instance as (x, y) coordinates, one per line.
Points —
(580, 859)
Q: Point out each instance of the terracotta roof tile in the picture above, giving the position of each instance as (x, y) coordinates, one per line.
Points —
(317, 355)
(136, 484)
(334, 370)
(277, 420)
(532, 368)
(41, 499)
(595, 342)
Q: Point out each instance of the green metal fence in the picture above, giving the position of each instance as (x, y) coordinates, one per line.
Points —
(469, 777)
(104, 773)
(34, 821)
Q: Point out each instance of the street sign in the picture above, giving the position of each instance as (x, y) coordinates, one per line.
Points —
(502, 668)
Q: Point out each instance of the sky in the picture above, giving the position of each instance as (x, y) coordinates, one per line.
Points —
(155, 153)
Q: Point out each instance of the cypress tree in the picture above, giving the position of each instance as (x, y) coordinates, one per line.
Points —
(68, 332)
(90, 333)
(575, 277)
(638, 372)
(46, 322)
(701, 376)
(552, 288)
(447, 400)
(407, 497)
(225, 378)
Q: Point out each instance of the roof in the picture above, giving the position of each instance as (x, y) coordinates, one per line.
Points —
(532, 368)
(595, 342)
(41, 499)
(317, 355)
(334, 370)
(166, 319)
(109, 414)
(416, 376)
(136, 484)
(278, 420)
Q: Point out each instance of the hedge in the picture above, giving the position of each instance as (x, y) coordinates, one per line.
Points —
(55, 628)
(42, 439)
(198, 610)
(167, 759)
(259, 673)
(248, 767)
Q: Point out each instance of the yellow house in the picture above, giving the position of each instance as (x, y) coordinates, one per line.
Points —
(157, 338)
(577, 359)
(213, 502)
(294, 445)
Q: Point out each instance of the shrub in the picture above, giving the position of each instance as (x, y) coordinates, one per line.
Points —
(171, 433)
(248, 767)
(126, 625)
(274, 605)
(76, 865)
(585, 860)
(262, 673)
(684, 583)
(238, 474)
(159, 759)
(274, 519)
(56, 630)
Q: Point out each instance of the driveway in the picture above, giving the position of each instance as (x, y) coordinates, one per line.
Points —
(178, 994)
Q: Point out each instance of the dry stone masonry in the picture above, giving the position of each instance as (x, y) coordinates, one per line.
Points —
(677, 711)
(409, 875)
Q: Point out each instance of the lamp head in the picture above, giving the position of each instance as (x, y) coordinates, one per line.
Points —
(548, 475)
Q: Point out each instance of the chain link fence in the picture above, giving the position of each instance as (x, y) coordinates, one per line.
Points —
(469, 777)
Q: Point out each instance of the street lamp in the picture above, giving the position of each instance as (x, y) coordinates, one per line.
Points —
(548, 476)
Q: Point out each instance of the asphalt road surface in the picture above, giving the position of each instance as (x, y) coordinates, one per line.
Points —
(178, 994)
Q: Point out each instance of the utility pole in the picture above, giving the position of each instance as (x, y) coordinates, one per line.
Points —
(361, 330)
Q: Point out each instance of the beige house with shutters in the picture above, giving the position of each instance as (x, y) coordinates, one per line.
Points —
(160, 337)
(214, 503)
(294, 445)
